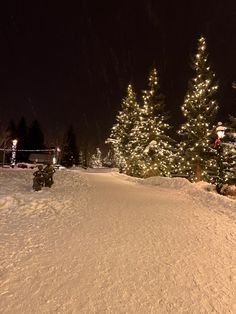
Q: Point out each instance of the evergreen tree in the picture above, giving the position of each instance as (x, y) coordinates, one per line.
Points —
(22, 137)
(108, 160)
(96, 159)
(6, 137)
(70, 151)
(229, 151)
(84, 153)
(7, 134)
(152, 150)
(12, 130)
(232, 126)
(36, 137)
(120, 133)
(80, 159)
(199, 110)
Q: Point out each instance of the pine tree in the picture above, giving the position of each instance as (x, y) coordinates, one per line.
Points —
(12, 130)
(120, 134)
(229, 151)
(7, 135)
(80, 159)
(108, 160)
(96, 159)
(70, 150)
(199, 110)
(152, 151)
(22, 137)
(36, 137)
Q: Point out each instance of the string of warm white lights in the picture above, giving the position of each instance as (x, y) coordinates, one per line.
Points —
(28, 150)
(138, 138)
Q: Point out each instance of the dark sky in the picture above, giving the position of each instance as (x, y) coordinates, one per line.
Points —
(65, 62)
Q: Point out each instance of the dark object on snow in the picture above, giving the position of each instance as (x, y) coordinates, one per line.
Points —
(228, 190)
(48, 172)
(38, 180)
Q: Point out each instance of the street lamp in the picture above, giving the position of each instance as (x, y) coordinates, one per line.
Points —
(55, 158)
(220, 131)
(13, 153)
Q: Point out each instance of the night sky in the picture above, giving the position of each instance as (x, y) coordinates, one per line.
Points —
(64, 62)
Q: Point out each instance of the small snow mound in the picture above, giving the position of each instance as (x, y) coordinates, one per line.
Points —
(166, 182)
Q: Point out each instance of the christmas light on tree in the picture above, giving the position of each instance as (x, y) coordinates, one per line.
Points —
(199, 109)
(229, 151)
(151, 149)
(120, 134)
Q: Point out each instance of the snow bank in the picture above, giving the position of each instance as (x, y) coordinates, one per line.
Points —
(92, 170)
(165, 182)
(201, 193)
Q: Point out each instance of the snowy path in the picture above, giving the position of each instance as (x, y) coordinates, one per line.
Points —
(96, 243)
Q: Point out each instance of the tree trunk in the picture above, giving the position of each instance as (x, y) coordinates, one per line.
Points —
(198, 172)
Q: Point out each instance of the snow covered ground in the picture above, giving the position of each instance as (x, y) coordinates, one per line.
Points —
(108, 243)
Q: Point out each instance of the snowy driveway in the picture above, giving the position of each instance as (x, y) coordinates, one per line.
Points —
(96, 243)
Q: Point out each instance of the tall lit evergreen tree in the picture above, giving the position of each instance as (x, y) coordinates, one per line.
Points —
(199, 110)
(120, 134)
(152, 150)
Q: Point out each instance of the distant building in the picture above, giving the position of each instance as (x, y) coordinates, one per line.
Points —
(42, 158)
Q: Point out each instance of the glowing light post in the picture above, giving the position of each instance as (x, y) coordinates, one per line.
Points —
(220, 131)
(56, 155)
(13, 151)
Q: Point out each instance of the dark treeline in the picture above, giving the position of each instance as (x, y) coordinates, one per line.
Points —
(31, 139)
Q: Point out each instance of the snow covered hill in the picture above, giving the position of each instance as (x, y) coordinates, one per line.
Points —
(108, 243)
